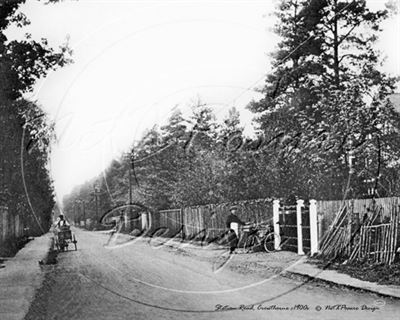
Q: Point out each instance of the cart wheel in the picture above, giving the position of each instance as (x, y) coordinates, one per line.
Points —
(57, 244)
(74, 241)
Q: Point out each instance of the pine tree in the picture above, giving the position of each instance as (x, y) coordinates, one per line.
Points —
(316, 109)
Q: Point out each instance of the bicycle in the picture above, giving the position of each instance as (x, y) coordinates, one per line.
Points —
(259, 238)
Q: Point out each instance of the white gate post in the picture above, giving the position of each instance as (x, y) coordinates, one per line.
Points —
(127, 219)
(275, 221)
(143, 217)
(313, 227)
(300, 204)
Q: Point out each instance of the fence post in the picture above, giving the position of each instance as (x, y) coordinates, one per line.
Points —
(17, 226)
(320, 222)
(300, 204)
(313, 227)
(3, 223)
(182, 224)
(4, 213)
(275, 220)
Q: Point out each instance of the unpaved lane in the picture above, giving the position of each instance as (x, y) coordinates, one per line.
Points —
(141, 281)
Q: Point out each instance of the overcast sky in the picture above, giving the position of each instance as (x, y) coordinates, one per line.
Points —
(136, 60)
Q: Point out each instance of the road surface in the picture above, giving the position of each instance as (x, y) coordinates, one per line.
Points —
(144, 281)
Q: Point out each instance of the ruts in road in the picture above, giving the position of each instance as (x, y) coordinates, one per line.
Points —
(145, 280)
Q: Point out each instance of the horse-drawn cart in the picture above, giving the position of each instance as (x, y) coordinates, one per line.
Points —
(63, 238)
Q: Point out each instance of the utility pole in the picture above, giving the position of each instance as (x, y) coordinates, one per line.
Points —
(128, 213)
(75, 210)
(84, 213)
(96, 194)
(130, 186)
(80, 212)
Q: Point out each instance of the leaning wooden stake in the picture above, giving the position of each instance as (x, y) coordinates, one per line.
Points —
(394, 236)
(334, 230)
(330, 234)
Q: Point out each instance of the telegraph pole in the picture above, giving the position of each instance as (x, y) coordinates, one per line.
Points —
(80, 212)
(84, 213)
(130, 186)
(96, 193)
(97, 202)
(128, 213)
(75, 210)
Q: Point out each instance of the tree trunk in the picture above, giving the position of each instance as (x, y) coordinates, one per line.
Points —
(336, 45)
(296, 60)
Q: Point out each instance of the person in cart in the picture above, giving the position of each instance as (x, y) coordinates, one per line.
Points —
(61, 223)
(232, 223)
(63, 234)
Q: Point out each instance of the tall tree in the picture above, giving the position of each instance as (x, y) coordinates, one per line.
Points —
(324, 82)
(22, 62)
(26, 187)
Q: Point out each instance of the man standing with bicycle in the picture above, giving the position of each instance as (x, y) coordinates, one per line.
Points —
(232, 223)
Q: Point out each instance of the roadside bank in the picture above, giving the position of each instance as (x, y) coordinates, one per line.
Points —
(21, 277)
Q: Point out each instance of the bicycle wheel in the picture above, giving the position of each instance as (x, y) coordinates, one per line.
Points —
(252, 243)
(269, 241)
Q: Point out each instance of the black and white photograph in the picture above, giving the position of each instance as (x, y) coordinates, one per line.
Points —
(199, 159)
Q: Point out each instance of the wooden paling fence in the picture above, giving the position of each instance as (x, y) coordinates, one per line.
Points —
(368, 235)
(11, 229)
(328, 209)
(208, 221)
(171, 220)
(359, 229)
(378, 243)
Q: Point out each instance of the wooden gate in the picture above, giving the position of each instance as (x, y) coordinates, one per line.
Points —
(289, 228)
(305, 228)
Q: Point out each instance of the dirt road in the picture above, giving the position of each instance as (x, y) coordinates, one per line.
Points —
(145, 281)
